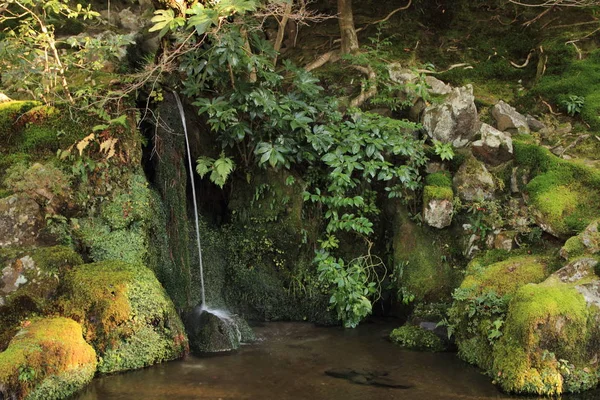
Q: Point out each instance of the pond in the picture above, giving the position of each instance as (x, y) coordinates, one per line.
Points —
(290, 360)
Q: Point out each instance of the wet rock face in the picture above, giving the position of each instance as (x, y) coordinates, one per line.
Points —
(455, 120)
(20, 221)
(495, 147)
(14, 275)
(508, 119)
(438, 213)
(211, 332)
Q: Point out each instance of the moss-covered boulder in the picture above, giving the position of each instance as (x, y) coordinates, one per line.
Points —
(564, 196)
(47, 359)
(20, 221)
(422, 257)
(417, 338)
(473, 181)
(587, 242)
(29, 282)
(126, 315)
(550, 339)
(481, 301)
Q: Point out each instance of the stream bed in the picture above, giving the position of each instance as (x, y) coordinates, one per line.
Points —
(290, 360)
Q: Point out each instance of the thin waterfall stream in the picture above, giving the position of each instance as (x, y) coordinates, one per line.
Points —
(189, 158)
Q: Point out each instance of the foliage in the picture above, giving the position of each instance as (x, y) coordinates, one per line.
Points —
(220, 168)
(417, 338)
(443, 150)
(573, 104)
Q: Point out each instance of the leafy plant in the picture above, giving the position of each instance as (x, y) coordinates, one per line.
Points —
(444, 150)
(219, 169)
(573, 104)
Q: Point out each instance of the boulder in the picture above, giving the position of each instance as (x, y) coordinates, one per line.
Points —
(438, 213)
(213, 331)
(508, 119)
(534, 124)
(504, 240)
(455, 120)
(437, 87)
(126, 314)
(494, 147)
(48, 359)
(549, 342)
(4, 98)
(587, 242)
(473, 181)
(20, 221)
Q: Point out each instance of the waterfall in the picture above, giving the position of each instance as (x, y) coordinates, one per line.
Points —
(189, 157)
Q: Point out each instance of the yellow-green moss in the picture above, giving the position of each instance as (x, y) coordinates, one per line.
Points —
(437, 193)
(507, 276)
(47, 359)
(126, 315)
(546, 323)
(9, 112)
(565, 195)
(440, 179)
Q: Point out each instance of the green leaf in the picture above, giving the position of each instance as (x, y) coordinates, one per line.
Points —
(204, 165)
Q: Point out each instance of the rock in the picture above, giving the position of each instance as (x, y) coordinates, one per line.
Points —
(20, 221)
(504, 240)
(438, 213)
(455, 120)
(508, 119)
(126, 314)
(213, 331)
(417, 338)
(577, 270)
(401, 75)
(367, 377)
(131, 21)
(437, 87)
(587, 242)
(4, 98)
(473, 181)
(494, 147)
(47, 359)
(534, 125)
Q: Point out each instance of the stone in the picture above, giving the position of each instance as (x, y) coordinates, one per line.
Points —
(473, 181)
(577, 270)
(455, 120)
(587, 242)
(401, 75)
(437, 87)
(214, 331)
(534, 124)
(20, 221)
(494, 147)
(4, 98)
(438, 213)
(507, 118)
(504, 240)
(131, 21)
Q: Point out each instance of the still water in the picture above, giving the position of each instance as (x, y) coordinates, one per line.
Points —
(289, 361)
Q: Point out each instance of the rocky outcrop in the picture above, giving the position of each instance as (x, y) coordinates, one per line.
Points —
(508, 119)
(494, 147)
(455, 120)
(20, 221)
(473, 181)
(587, 242)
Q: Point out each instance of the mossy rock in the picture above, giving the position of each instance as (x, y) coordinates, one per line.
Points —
(417, 338)
(126, 314)
(563, 195)
(10, 111)
(29, 283)
(422, 255)
(212, 331)
(47, 359)
(587, 242)
(544, 341)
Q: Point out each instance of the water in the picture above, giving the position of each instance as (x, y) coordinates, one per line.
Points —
(189, 157)
(289, 363)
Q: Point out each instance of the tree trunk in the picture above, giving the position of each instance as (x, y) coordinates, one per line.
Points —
(347, 30)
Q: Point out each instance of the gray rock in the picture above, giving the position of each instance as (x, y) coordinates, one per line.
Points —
(504, 240)
(455, 120)
(4, 98)
(20, 221)
(438, 213)
(534, 124)
(494, 147)
(473, 181)
(437, 87)
(577, 270)
(131, 21)
(216, 331)
(508, 119)
(400, 74)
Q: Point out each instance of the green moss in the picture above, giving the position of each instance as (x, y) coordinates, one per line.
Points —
(422, 261)
(437, 193)
(546, 323)
(573, 247)
(440, 179)
(129, 245)
(9, 112)
(126, 315)
(564, 195)
(47, 359)
(507, 276)
(416, 338)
